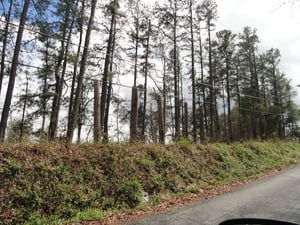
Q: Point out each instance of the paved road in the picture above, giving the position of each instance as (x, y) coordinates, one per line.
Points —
(277, 197)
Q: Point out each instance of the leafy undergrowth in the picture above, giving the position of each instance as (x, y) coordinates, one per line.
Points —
(49, 183)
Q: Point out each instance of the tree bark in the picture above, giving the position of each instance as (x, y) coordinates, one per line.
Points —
(211, 85)
(3, 56)
(186, 121)
(136, 49)
(193, 75)
(60, 75)
(74, 114)
(134, 115)
(45, 90)
(146, 80)
(97, 125)
(202, 84)
(161, 122)
(201, 126)
(109, 87)
(240, 120)
(74, 78)
(176, 77)
(13, 71)
(229, 121)
(106, 67)
(24, 109)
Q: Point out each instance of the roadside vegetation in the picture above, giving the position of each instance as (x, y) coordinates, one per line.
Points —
(49, 183)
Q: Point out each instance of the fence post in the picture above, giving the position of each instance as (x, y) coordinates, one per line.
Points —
(161, 120)
(97, 126)
(134, 115)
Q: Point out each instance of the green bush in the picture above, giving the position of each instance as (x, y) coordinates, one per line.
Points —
(11, 167)
(129, 192)
(88, 214)
(156, 184)
(49, 183)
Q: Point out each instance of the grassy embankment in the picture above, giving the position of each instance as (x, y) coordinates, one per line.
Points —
(51, 184)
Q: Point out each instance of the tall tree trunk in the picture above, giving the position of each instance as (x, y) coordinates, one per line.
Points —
(254, 92)
(225, 136)
(109, 88)
(257, 94)
(185, 121)
(161, 122)
(229, 123)
(264, 122)
(216, 113)
(45, 90)
(106, 68)
(211, 85)
(4, 44)
(202, 85)
(74, 78)
(281, 131)
(137, 30)
(60, 76)
(82, 106)
(24, 109)
(164, 94)
(58, 95)
(97, 126)
(278, 104)
(134, 115)
(193, 75)
(240, 120)
(176, 76)
(201, 124)
(146, 80)
(74, 114)
(13, 71)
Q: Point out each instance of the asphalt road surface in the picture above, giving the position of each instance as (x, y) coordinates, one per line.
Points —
(277, 197)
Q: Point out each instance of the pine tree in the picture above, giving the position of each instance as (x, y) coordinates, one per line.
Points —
(66, 27)
(4, 38)
(112, 10)
(169, 20)
(78, 93)
(76, 58)
(13, 71)
(247, 50)
(208, 10)
(227, 47)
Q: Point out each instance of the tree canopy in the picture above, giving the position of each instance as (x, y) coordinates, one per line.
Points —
(193, 81)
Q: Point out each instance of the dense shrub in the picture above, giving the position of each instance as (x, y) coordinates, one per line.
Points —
(50, 183)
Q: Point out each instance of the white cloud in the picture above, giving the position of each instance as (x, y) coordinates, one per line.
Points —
(278, 26)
